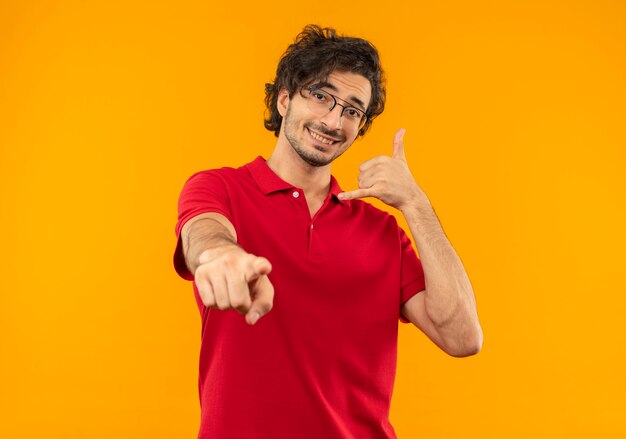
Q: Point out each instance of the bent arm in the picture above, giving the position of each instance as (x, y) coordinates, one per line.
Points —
(446, 310)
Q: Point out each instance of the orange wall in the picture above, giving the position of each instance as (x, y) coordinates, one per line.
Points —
(515, 118)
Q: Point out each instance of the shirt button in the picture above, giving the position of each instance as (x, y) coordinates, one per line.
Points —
(296, 194)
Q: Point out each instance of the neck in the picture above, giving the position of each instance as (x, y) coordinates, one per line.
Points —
(287, 164)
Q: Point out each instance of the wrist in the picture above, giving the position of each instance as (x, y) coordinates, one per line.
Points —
(416, 202)
(214, 252)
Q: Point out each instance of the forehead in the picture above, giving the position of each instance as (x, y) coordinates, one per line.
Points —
(351, 87)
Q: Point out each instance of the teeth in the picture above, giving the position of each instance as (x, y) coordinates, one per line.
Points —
(320, 138)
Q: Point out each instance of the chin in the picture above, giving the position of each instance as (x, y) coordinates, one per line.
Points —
(315, 160)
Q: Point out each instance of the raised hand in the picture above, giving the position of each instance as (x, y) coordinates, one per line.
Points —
(388, 178)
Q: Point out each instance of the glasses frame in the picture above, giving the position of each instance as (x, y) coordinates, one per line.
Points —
(364, 118)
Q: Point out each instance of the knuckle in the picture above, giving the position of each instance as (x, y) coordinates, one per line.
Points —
(201, 272)
(223, 305)
(238, 302)
(229, 260)
(203, 276)
(207, 299)
(246, 262)
(250, 259)
(221, 301)
(209, 303)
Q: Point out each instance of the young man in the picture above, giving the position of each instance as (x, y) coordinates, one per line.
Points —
(300, 285)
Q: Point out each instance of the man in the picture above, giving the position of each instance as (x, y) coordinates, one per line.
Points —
(300, 285)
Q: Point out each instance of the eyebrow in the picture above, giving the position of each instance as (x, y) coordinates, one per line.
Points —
(354, 99)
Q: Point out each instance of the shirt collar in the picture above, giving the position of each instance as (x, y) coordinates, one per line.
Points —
(335, 189)
(269, 182)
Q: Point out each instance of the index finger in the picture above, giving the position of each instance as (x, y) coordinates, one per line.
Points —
(262, 292)
(256, 267)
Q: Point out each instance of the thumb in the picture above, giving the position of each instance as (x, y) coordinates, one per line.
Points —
(398, 145)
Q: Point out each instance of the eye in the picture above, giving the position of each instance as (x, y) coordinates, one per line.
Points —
(353, 113)
(319, 95)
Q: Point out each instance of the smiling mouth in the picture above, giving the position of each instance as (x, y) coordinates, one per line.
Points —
(322, 139)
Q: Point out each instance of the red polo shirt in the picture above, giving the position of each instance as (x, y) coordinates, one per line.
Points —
(322, 362)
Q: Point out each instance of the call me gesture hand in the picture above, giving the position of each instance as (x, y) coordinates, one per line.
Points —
(388, 179)
(446, 310)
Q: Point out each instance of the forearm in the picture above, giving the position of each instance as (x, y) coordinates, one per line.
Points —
(204, 234)
(449, 299)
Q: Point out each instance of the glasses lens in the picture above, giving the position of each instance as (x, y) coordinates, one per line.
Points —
(354, 116)
(321, 102)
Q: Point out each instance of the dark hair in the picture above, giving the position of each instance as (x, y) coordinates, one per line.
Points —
(314, 55)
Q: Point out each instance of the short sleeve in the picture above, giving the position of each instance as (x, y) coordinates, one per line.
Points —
(203, 192)
(412, 274)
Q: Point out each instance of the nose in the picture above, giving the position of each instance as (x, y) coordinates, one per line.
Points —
(332, 119)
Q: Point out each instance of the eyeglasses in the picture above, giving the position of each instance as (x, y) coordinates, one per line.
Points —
(322, 102)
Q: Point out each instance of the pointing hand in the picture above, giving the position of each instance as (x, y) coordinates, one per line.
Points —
(230, 278)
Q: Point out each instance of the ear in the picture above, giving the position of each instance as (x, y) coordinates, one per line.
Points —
(282, 101)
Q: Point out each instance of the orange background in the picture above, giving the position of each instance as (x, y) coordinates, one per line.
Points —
(515, 117)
